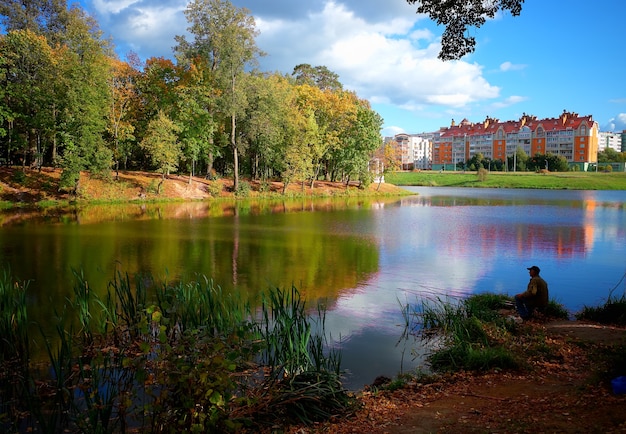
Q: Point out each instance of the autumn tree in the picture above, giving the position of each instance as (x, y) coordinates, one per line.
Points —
(224, 38)
(457, 16)
(120, 125)
(386, 160)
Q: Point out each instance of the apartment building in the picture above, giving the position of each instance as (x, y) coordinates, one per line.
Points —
(569, 135)
(414, 151)
(610, 140)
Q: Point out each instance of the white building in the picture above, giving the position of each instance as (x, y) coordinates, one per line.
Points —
(609, 140)
(415, 151)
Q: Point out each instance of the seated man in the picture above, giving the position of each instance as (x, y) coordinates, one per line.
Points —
(535, 296)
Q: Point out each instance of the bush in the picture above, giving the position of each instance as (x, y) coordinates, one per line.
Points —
(243, 189)
(482, 174)
(214, 188)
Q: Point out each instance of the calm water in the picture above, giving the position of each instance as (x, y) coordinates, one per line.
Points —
(363, 257)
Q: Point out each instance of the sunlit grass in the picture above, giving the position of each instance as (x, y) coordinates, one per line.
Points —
(553, 180)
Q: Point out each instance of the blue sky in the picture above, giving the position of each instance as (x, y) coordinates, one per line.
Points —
(558, 55)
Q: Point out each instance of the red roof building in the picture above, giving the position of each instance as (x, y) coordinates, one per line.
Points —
(571, 136)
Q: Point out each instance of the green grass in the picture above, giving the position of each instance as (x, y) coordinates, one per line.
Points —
(554, 180)
(474, 335)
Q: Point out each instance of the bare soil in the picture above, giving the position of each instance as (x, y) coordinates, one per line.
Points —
(568, 396)
(43, 185)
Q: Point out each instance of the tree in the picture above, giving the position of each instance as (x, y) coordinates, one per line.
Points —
(28, 73)
(318, 76)
(161, 143)
(386, 161)
(457, 16)
(119, 126)
(225, 40)
(270, 99)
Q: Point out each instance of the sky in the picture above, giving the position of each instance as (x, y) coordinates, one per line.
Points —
(557, 55)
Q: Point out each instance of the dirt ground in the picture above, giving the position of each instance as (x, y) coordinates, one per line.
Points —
(563, 397)
(43, 185)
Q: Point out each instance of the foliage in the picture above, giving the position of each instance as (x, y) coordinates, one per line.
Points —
(97, 112)
(161, 143)
(243, 190)
(456, 17)
(482, 174)
(193, 359)
(474, 334)
(318, 76)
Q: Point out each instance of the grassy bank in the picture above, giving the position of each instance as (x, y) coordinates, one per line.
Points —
(555, 180)
(41, 189)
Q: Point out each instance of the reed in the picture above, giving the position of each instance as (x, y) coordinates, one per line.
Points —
(13, 321)
(195, 358)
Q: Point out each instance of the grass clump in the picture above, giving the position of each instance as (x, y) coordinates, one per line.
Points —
(475, 336)
(613, 311)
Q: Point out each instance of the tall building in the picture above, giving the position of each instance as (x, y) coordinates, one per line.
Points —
(610, 140)
(414, 151)
(571, 136)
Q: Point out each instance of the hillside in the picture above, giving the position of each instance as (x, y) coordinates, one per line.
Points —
(34, 186)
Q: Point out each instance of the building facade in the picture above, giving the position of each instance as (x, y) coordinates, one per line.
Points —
(571, 136)
(414, 151)
(609, 140)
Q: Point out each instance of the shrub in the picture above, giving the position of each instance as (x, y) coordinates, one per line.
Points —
(482, 174)
(243, 189)
(214, 188)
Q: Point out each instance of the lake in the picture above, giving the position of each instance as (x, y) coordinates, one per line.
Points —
(364, 258)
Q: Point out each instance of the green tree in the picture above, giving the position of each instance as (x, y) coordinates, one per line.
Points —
(610, 155)
(224, 38)
(85, 68)
(161, 144)
(28, 73)
(270, 98)
(318, 76)
(457, 16)
(195, 101)
(360, 143)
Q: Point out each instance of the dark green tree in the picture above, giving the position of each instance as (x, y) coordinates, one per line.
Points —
(318, 76)
(457, 16)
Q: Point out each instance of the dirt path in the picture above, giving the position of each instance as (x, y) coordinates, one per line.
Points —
(562, 394)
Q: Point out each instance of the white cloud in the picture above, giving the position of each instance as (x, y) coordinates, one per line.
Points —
(509, 101)
(379, 50)
(508, 66)
(616, 124)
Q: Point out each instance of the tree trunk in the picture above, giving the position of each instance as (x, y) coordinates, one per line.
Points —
(235, 154)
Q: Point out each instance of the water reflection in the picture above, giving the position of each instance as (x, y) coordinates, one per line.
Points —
(365, 258)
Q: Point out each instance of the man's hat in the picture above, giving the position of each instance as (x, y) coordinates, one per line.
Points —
(534, 267)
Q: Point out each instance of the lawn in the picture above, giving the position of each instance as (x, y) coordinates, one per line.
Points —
(553, 180)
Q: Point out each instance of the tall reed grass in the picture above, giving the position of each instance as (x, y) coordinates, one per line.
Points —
(193, 357)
